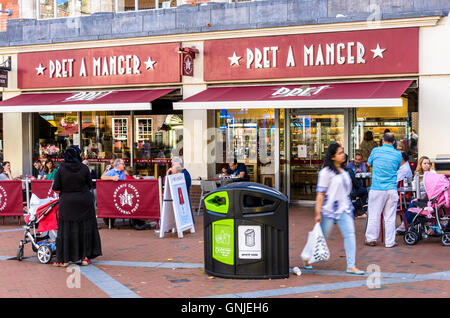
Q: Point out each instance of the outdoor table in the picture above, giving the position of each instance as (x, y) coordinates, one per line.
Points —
(405, 189)
(365, 177)
(409, 189)
(402, 191)
(221, 181)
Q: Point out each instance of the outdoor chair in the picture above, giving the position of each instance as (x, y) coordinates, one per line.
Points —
(206, 186)
(401, 209)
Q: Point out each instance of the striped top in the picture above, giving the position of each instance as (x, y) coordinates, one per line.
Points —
(385, 161)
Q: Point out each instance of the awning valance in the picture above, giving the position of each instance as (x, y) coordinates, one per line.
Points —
(82, 101)
(332, 95)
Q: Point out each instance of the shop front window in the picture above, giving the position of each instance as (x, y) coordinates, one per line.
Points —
(55, 132)
(106, 136)
(158, 138)
(379, 119)
(310, 136)
(248, 136)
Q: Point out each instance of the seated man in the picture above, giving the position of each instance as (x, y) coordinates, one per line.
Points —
(117, 173)
(236, 169)
(357, 165)
(38, 171)
(405, 170)
(358, 194)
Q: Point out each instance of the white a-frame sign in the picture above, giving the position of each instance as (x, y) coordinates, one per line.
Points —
(176, 211)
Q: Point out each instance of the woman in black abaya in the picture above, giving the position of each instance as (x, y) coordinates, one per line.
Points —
(78, 237)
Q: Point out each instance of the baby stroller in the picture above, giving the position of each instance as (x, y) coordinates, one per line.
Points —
(40, 229)
(430, 218)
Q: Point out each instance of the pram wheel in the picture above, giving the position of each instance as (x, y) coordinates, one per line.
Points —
(446, 239)
(44, 254)
(20, 253)
(411, 237)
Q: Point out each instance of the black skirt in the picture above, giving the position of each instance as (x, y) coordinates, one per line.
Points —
(77, 240)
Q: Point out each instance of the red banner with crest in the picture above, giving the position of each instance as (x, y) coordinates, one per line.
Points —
(128, 199)
(43, 189)
(11, 199)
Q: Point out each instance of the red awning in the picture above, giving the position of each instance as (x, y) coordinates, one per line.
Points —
(332, 95)
(82, 101)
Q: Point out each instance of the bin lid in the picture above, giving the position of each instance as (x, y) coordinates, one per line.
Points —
(253, 186)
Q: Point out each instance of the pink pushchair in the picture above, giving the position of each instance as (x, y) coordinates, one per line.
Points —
(431, 218)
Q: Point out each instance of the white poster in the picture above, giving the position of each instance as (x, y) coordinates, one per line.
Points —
(176, 206)
(76, 139)
(302, 151)
(249, 240)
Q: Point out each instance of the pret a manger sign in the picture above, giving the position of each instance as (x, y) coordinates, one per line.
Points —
(371, 52)
(139, 64)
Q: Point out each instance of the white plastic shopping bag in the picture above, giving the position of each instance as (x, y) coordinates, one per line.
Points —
(316, 248)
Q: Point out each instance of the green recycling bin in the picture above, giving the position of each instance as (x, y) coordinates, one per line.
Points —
(246, 232)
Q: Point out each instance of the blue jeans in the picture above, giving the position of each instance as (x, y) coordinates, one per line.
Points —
(347, 227)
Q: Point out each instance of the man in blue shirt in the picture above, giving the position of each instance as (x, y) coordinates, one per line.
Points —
(117, 173)
(237, 169)
(383, 195)
(357, 165)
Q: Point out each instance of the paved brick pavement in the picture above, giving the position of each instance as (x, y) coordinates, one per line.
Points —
(140, 264)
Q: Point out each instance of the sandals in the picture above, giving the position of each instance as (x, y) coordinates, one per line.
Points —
(306, 265)
(60, 264)
(86, 261)
(373, 243)
(355, 271)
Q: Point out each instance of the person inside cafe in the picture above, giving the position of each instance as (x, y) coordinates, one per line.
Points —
(237, 170)
(38, 171)
(50, 170)
(388, 131)
(116, 173)
(357, 165)
(367, 145)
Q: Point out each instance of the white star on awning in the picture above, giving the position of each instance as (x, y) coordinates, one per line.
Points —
(378, 51)
(234, 59)
(40, 69)
(149, 63)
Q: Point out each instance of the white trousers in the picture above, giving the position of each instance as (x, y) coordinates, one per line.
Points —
(382, 202)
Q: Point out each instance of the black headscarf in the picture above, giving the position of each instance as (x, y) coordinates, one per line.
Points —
(72, 155)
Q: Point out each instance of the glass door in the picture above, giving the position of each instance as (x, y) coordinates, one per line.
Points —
(309, 137)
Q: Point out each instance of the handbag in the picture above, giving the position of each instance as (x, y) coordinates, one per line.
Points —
(316, 248)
